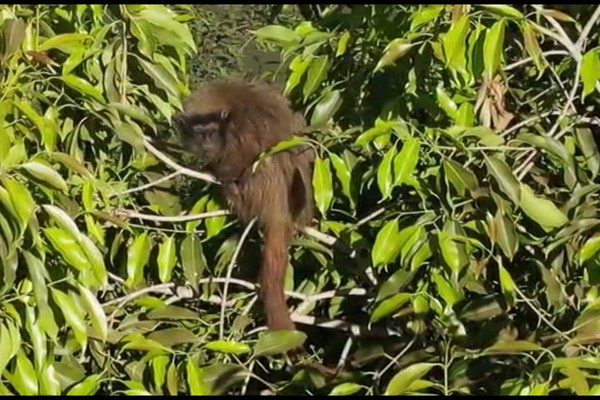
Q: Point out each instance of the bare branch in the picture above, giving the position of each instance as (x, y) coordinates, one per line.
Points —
(182, 170)
(229, 270)
(517, 64)
(588, 28)
(528, 164)
(161, 218)
(150, 184)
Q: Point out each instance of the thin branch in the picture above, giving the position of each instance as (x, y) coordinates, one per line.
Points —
(528, 164)
(345, 352)
(588, 28)
(517, 64)
(150, 184)
(182, 170)
(163, 218)
(228, 278)
(328, 295)
(354, 329)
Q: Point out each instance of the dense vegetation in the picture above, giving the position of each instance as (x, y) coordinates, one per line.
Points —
(456, 182)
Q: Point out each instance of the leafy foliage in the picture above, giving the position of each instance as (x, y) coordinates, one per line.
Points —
(457, 167)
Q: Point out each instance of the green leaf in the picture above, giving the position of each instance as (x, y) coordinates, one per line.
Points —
(406, 161)
(64, 42)
(167, 258)
(323, 185)
(95, 258)
(37, 272)
(393, 51)
(215, 224)
(587, 144)
(385, 177)
(49, 383)
(390, 305)
(342, 44)
(37, 337)
(20, 198)
(326, 108)
(402, 381)
(345, 389)
(193, 260)
(532, 45)
(195, 379)
(138, 255)
(63, 220)
(386, 247)
(452, 251)
(45, 174)
(133, 111)
(454, 43)
(83, 87)
(172, 379)
(590, 72)
(228, 347)
(298, 66)
(344, 175)
(503, 9)
(317, 72)
(277, 342)
(278, 34)
(541, 210)
(507, 284)
(173, 336)
(10, 343)
(95, 311)
(506, 235)
(493, 48)
(394, 284)
(589, 249)
(14, 34)
(159, 371)
(461, 178)
(504, 177)
(161, 77)
(577, 380)
(425, 15)
(450, 294)
(24, 378)
(512, 347)
(87, 387)
(446, 103)
(72, 314)
(67, 247)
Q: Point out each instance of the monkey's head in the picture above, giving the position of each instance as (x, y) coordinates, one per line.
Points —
(203, 133)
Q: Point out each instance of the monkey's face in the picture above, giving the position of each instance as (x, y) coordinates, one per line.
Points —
(204, 134)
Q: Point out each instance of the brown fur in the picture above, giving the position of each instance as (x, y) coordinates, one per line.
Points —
(229, 124)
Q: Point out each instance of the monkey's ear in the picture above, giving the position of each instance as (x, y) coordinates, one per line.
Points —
(224, 115)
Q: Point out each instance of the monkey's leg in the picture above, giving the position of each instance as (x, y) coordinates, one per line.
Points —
(272, 276)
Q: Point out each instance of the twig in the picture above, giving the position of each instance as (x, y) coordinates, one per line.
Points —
(344, 354)
(354, 329)
(529, 59)
(163, 218)
(182, 170)
(150, 184)
(528, 164)
(587, 28)
(396, 358)
(228, 278)
(327, 295)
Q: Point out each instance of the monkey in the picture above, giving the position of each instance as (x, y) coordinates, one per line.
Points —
(229, 124)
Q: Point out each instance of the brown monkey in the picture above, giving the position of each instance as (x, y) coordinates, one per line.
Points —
(229, 124)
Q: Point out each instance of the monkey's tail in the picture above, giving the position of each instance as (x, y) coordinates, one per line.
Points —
(277, 238)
